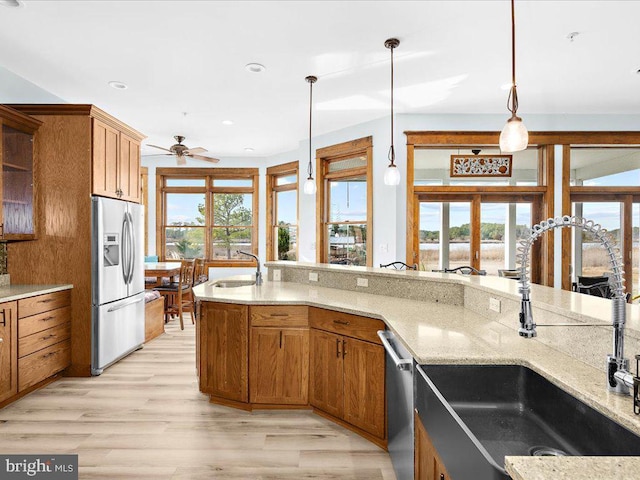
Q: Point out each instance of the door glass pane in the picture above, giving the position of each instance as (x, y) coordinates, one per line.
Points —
(502, 226)
(17, 187)
(589, 256)
(347, 244)
(227, 241)
(232, 209)
(438, 250)
(348, 199)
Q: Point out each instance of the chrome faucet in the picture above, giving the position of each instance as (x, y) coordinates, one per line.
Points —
(258, 273)
(619, 379)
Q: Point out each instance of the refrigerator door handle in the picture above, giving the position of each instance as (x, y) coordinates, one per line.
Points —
(124, 245)
(125, 304)
(132, 242)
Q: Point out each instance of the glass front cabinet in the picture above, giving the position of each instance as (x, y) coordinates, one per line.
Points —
(17, 215)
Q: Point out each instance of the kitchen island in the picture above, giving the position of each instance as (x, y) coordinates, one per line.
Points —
(453, 325)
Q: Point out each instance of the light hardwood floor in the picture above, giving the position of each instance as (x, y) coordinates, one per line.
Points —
(144, 418)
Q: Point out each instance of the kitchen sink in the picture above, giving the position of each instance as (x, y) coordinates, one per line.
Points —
(234, 283)
(478, 414)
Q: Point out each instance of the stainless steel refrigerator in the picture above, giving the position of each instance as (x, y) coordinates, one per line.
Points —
(117, 281)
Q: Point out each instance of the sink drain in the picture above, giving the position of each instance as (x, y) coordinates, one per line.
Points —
(546, 452)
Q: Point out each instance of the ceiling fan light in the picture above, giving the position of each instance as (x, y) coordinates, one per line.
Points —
(514, 136)
(309, 186)
(392, 175)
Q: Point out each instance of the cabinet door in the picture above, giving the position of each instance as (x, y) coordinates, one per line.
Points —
(105, 160)
(17, 193)
(326, 382)
(8, 350)
(224, 334)
(364, 392)
(279, 366)
(129, 169)
(427, 465)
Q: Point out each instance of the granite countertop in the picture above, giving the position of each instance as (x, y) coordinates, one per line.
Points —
(10, 293)
(431, 334)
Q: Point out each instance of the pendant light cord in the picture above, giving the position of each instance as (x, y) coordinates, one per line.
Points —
(512, 100)
(311, 79)
(392, 151)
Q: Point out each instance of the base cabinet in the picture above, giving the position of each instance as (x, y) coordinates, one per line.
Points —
(348, 369)
(8, 350)
(223, 352)
(428, 465)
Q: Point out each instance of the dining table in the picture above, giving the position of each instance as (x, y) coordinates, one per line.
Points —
(160, 271)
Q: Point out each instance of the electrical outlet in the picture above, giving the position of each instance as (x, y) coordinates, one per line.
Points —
(313, 277)
(277, 275)
(362, 282)
(494, 304)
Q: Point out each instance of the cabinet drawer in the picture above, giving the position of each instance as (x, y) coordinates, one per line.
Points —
(279, 316)
(37, 323)
(32, 343)
(42, 364)
(43, 303)
(346, 324)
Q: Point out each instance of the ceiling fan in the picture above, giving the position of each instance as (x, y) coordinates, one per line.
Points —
(182, 151)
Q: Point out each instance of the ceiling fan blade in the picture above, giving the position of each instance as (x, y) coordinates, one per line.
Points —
(196, 150)
(161, 148)
(181, 160)
(206, 159)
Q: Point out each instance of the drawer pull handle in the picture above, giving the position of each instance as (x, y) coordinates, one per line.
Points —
(4, 318)
(45, 300)
(341, 322)
(50, 317)
(338, 348)
(47, 355)
(53, 335)
(344, 348)
(279, 314)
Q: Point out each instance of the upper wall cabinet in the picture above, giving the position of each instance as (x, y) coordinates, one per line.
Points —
(116, 163)
(17, 216)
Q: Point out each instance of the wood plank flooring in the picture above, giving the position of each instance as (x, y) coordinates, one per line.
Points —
(144, 418)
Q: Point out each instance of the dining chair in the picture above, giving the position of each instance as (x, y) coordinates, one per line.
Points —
(179, 296)
(463, 270)
(200, 274)
(400, 266)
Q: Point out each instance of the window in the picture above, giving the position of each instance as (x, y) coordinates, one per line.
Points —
(345, 199)
(210, 213)
(282, 212)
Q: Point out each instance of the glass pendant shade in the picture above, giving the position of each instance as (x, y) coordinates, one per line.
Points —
(514, 136)
(392, 176)
(309, 186)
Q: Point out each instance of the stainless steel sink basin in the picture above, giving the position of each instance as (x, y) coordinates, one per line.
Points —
(234, 283)
(478, 414)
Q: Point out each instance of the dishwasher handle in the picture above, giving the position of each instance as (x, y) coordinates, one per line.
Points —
(400, 363)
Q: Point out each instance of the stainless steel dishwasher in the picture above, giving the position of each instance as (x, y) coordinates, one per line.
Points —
(399, 385)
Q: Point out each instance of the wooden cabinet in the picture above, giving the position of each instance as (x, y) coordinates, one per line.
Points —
(17, 192)
(116, 163)
(44, 337)
(348, 369)
(223, 350)
(8, 350)
(279, 355)
(427, 465)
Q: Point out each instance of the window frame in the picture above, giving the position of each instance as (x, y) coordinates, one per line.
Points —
(324, 157)
(273, 173)
(209, 175)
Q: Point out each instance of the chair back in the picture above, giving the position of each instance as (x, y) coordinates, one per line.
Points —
(400, 266)
(463, 270)
(186, 274)
(200, 274)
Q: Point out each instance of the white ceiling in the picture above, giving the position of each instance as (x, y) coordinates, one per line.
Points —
(189, 56)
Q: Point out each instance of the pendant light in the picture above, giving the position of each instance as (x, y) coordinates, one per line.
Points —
(514, 136)
(310, 184)
(392, 175)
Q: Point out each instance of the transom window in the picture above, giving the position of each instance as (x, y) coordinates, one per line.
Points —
(210, 213)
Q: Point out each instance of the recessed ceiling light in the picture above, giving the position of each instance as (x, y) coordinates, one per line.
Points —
(11, 3)
(118, 85)
(227, 122)
(572, 36)
(255, 67)
(248, 149)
